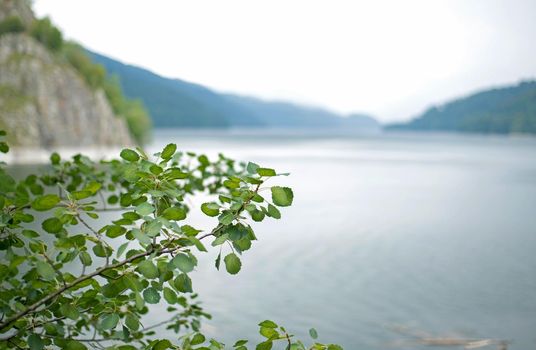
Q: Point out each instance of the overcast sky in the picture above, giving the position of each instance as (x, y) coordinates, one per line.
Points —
(388, 58)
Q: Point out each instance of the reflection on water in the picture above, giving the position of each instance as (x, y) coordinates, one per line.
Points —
(435, 233)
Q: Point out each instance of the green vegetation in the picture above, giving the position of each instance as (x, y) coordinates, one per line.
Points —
(94, 74)
(47, 34)
(502, 111)
(11, 24)
(139, 122)
(44, 31)
(71, 280)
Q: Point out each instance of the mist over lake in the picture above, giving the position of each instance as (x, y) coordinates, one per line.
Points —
(435, 233)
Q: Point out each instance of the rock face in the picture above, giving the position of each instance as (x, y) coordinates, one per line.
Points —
(44, 102)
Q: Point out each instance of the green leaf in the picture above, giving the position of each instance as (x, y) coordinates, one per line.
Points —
(176, 174)
(197, 339)
(162, 345)
(282, 196)
(55, 158)
(268, 324)
(252, 168)
(45, 202)
(220, 240)
(232, 263)
(155, 169)
(198, 244)
(210, 209)
(184, 263)
(101, 251)
(266, 172)
(170, 296)
(269, 333)
(334, 347)
(274, 212)
(267, 345)
(257, 215)
(85, 258)
(148, 269)
(4, 147)
(35, 342)
(168, 151)
(151, 295)
(140, 236)
(240, 343)
(226, 218)
(153, 228)
(52, 225)
(122, 249)
(93, 187)
(132, 322)
(313, 333)
(189, 230)
(114, 231)
(113, 288)
(129, 155)
(144, 209)
(183, 283)
(70, 311)
(174, 213)
(109, 321)
(45, 270)
(74, 345)
(218, 261)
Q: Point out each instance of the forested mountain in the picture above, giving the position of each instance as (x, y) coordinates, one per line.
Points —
(504, 110)
(177, 103)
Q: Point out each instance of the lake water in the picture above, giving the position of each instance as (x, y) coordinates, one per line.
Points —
(436, 233)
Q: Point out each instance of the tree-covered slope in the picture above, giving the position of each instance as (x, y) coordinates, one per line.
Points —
(52, 95)
(176, 103)
(503, 110)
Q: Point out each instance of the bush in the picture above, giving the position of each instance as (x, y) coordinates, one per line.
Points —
(11, 24)
(46, 33)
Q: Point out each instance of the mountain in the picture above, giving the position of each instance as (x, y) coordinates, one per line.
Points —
(177, 103)
(45, 102)
(504, 110)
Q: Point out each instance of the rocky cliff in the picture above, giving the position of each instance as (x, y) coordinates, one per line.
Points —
(44, 102)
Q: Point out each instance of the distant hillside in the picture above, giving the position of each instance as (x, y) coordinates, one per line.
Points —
(176, 103)
(503, 110)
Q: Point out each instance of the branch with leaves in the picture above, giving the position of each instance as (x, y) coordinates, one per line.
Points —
(45, 305)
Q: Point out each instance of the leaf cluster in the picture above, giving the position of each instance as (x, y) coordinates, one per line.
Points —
(73, 280)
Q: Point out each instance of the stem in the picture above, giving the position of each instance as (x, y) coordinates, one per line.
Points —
(33, 307)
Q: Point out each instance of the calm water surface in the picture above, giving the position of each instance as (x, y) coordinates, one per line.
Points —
(436, 233)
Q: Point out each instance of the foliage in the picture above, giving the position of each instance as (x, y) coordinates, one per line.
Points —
(134, 111)
(503, 111)
(46, 33)
(11, 24)
(94, 74)
(72, 281)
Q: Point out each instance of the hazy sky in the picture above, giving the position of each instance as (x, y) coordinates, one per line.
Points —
(388, 58)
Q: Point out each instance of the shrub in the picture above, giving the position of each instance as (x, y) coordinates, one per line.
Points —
(46, 33)
(11, 24)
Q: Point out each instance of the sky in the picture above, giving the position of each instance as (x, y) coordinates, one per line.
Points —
(392, 59)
